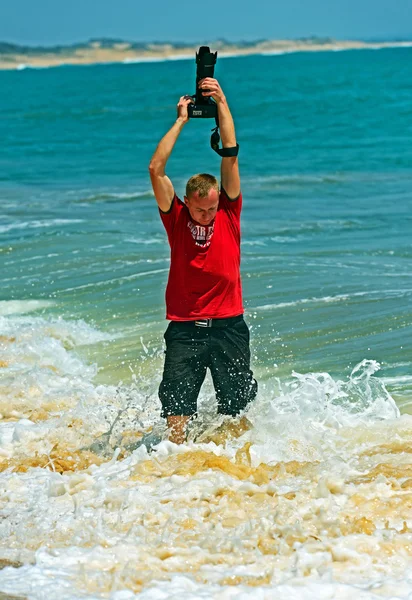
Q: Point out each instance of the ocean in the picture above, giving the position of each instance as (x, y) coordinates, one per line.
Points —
(314, 500)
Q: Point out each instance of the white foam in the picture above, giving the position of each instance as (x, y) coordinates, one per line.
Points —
(24, 66)
(38, 224)
(108, 196)
(71, 333)
(115, 280)
(337, 298)
(145, 241)
(396, 380)
(16, 307)
(254, 243)
(191, 520)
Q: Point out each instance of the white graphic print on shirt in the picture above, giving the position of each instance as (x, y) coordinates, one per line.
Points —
(201, 234)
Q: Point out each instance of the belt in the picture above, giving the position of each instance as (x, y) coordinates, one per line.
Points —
(213, 322)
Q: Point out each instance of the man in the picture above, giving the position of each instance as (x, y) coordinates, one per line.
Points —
(203, 296)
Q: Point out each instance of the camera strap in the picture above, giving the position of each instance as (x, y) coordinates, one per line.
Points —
(214, 143)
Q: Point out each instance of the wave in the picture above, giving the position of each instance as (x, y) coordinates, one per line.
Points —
(24, 66)
(114, 280)
(296, 231)
(316, 482)
(395, 380)
(18, 307)
(328, 178)
(338, 298)
(40, 369)
(145, 242)
(29, 328)
(299, 179)
(38, 224)
(254, 243)
(114, 196)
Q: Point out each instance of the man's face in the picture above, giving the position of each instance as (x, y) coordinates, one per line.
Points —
(203, 210)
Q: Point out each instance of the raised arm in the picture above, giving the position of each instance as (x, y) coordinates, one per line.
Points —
(229, 170)
(162, 186)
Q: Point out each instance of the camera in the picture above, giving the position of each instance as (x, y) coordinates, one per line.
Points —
(203, 108)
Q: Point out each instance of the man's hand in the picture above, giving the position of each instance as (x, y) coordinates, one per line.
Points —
(182, 112)
(214, 89)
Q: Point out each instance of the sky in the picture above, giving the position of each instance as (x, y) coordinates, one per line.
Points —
(49, 22)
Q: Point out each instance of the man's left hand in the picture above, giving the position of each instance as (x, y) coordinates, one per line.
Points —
(213, 89)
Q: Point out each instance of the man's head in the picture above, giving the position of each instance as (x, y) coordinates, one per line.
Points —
(202, 198)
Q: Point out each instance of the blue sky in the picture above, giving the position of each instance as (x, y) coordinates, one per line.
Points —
(60, 22)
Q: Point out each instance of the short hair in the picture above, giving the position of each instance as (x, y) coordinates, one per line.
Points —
(201, 183)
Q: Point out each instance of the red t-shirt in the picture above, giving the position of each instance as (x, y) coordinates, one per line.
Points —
(204, 277)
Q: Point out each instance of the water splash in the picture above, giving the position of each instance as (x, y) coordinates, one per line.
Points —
(308, 495)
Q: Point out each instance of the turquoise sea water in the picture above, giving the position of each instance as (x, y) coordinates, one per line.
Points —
(326, 164)
(314, 499)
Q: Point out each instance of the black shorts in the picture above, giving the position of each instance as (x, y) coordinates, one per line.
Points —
(190, 350)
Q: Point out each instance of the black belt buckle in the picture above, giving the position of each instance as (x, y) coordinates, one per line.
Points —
(204, 323)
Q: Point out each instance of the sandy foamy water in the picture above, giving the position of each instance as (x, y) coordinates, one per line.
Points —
(313, 501)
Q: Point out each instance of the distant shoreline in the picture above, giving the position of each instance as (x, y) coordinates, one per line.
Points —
(13, 57)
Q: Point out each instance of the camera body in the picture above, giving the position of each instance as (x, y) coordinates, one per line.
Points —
(203, 108)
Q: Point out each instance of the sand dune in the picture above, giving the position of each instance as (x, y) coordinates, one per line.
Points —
(100, 53)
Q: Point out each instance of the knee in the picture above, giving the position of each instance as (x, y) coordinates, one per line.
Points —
(178, 398)
(235, 402)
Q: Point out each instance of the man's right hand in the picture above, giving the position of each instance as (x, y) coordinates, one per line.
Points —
(182, 112)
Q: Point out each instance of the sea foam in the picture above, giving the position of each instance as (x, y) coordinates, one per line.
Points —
(310, 500)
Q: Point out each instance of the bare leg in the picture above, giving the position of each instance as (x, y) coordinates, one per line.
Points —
(177, 426)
